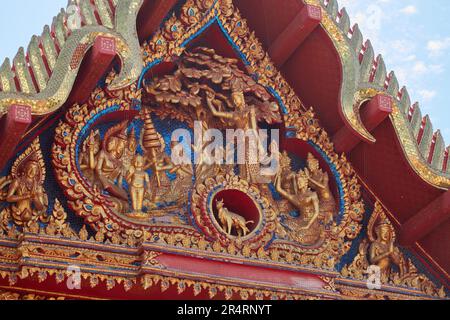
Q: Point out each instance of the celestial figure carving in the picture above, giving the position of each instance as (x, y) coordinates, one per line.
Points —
(306, 229)
(230, 220)
(379, 249)
(109, 167)
(90, 150)
(382, 251)
(232, 99)
(288, 176)
(243, 117)
(130, 150)
(138, 179)
(88, 155)
(27, 194)
(179, 188)
(25, 191)
(319, 181)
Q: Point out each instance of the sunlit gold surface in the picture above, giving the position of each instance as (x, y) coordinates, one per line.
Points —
(115, 248)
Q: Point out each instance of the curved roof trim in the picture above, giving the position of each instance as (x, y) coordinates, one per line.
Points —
(366, 76)
(41, 77)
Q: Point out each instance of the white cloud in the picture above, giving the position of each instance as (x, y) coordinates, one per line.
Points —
(420, 68)
(437, 47)
(411, 58)
(403, 46)
(409, 10)
(427, 95)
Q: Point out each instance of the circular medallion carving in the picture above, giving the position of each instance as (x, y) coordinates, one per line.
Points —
(229, 209)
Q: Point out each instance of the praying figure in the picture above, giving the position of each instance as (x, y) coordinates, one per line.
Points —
(27, 194)
(383, 253)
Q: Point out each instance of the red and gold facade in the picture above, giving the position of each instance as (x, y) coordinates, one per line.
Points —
(88, 182)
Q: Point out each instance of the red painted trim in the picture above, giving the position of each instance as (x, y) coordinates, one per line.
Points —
(151, 15)
(446, 160)
(296, 32)
(30, 70)
(240, 273)
(432, 148)
(44, 58)
(426, 220)
(422, 130)
(15, 125)
(94, 66)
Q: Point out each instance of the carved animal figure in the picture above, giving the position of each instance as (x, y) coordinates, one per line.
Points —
(230, 219)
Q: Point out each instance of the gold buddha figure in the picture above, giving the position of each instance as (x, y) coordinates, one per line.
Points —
(383, 253)
(27, 194)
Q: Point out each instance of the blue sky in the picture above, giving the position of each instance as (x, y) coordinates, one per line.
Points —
(412, 35)
(414, 38)
(21, 19)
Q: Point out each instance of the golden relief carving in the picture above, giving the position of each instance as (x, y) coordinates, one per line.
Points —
(379, 249)
(207, 87)
(307, 229)
(319, 181)
(23, 188)
(117, 161)
(382, 252)
(138, 179)
(229, 220)
(125, 165)
(240, 103)
(57, 225)
(12, 296)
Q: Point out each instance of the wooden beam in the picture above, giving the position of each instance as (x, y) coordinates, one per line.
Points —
(94, 66)
(424, 222)
(14, 126)
(372, 115)
(151, 15)
(295, 33)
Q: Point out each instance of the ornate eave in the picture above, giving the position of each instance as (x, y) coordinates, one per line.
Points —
(364, 77)
(346, 79)
(137, 272)
(147, 260)
(45, 87)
